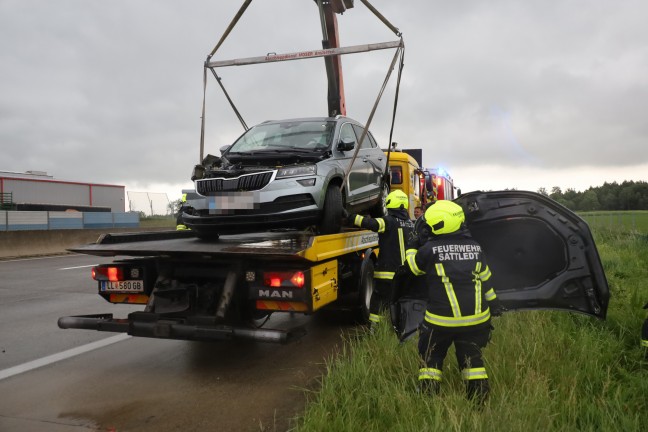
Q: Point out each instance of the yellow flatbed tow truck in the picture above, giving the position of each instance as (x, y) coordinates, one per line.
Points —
(196, 290)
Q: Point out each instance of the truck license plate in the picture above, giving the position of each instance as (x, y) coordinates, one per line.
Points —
(129, 285)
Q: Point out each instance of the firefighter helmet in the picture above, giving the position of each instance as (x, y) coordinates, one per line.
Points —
(444, 217)
(397, 199)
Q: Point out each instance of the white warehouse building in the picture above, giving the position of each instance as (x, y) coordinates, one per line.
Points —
(38, 191)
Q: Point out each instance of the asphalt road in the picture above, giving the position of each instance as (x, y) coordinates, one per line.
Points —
(81, 380)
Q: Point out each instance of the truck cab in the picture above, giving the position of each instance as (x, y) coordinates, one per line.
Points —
(406, 175)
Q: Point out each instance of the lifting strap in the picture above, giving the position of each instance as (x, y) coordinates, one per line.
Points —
(373, 109)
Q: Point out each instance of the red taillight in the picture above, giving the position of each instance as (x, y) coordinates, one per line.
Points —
(298, 279)
(113, 274)
(285, 279)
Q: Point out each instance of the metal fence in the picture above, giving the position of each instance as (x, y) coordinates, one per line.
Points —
(626, 221)
(54, 220)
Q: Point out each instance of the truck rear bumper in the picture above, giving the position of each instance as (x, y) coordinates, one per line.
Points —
(144, 324)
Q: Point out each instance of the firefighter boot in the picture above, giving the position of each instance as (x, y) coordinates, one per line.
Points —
(429, 387)
(477, 390)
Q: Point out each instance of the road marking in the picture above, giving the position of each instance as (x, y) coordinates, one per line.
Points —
(70, 255)
(78, 267)
(34, 364)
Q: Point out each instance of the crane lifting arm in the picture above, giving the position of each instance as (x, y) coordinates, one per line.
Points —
(331, 39)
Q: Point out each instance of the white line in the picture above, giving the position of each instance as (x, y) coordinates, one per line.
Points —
(6, 373)
(78, 267)
(41, 258)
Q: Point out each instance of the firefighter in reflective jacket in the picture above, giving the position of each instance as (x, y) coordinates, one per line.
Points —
(179, 223)
(459, 294)
(393, 233)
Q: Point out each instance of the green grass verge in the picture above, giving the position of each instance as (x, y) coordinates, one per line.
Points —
(549, 371)
(158, 222)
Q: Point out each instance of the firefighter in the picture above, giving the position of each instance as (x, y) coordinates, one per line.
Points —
(644, 334)
(393, 231)
(183, 203)
(460, 291)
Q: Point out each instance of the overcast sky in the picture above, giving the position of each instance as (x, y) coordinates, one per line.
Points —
(502, 93)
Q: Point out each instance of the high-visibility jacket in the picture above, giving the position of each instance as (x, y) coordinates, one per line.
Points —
(394, 231)
(458, 280)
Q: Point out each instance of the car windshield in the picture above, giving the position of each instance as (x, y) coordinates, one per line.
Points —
(296, 136)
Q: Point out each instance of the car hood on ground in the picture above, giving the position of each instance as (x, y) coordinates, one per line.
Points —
(542, 255)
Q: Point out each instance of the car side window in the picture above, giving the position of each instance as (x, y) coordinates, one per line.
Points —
(372, 140)
(366, 143)
(347, 134)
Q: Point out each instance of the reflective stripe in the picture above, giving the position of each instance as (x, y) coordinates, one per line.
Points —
(452, 298)
(358, 220)
(374, 318)
(485, 275)
(381, 225)
(644, 343)
(458, 321)
(411, 261)
(401, 244)
(490, 295)
(474, 373)
(383, 275)
(430, 373)
(478, 289)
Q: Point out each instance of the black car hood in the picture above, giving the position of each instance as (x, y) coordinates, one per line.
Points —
(542, 255)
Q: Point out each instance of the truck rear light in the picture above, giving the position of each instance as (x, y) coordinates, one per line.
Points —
(113, 274)
(284, 279)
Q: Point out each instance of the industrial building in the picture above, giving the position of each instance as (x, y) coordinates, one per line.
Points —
(38, 191)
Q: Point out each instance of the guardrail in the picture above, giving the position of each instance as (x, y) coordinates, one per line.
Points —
(57, 220)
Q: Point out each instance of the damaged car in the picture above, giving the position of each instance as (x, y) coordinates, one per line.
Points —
(296, 173)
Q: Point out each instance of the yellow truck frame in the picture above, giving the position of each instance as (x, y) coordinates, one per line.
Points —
(197, 290)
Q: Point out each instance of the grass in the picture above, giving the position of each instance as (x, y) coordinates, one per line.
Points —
(636, 220)
(549, 371)
(158, 222)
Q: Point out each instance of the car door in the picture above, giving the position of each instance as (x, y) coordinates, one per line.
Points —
(358, 177)
(374, 160)
(541, 254)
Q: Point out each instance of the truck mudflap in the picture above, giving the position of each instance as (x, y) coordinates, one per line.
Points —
(146, 324)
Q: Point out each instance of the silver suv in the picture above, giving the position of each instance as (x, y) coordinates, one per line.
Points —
(289, 174)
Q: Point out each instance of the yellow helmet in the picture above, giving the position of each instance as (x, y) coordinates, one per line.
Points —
(397, 199)
(444, 217)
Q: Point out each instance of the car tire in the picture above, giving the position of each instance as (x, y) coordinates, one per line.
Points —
(380, 209)
(331, 222)
(365, 291)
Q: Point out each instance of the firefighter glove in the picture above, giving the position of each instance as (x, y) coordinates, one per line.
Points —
(496, 307)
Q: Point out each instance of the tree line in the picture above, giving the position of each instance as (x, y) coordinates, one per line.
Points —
(629, 195)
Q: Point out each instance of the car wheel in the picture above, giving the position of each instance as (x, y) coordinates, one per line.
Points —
(331, 222)
(380, 209)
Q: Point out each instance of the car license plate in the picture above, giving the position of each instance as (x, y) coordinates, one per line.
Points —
(128, 285)
(234, 201)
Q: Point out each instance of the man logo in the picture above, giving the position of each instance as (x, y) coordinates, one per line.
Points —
(275, 294)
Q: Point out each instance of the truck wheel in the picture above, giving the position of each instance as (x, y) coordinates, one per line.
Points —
(331, 222)
(365, 290)
(380, 209)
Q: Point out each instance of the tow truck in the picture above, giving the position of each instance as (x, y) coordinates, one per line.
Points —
(541, 254)
(199, 290)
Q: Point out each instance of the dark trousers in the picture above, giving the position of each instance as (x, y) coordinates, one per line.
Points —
(433, 348)
(381, 296)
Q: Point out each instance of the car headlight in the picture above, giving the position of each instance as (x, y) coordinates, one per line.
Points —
(293, 171)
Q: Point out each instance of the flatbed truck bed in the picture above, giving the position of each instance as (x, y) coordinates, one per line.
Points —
(195, 289)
